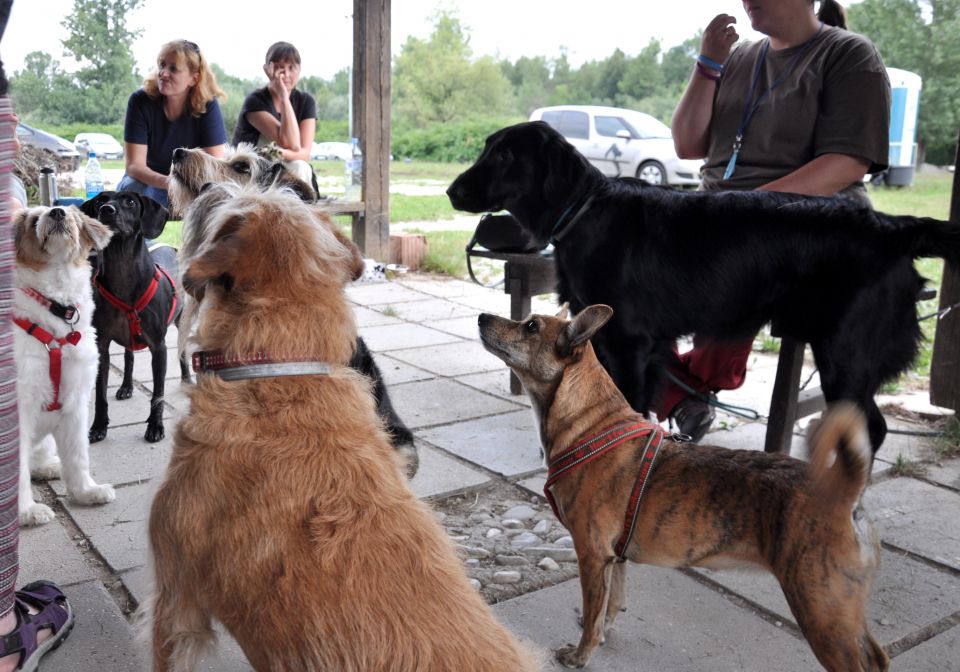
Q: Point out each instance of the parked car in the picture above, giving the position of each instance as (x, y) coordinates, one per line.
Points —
(62, 152)
(104, 144)
(622, 142)
(323, 151)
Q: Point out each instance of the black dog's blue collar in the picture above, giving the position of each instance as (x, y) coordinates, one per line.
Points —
(557, 233)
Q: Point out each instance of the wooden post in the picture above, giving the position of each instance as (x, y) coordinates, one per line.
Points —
(371, 123)
(945, 366)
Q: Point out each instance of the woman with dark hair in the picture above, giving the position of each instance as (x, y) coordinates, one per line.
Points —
(805, 110)
(177, 107)
(281, 113)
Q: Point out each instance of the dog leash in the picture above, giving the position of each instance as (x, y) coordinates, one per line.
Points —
(742, 411)
(55, 351)
(254, 365)
(557, 233)
(593, 447)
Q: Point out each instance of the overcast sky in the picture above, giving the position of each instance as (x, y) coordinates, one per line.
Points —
(233, 37)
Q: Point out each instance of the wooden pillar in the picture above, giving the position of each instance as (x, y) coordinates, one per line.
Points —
(945, 366)
(371, 123)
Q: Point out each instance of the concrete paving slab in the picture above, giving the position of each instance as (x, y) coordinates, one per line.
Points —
(442, 288)
(130, 411)
(48, 552)
(464, 327)
(945, 473)
(440, 475)
(368, 294)
(907, 595)
(405, 335)
(124, 457)
(451, 359)
(423, 312)
(118, 530)
(750, 436)
(937, 654)
(101, 639)
(438, 401)
(906, 439)
(918, 517)
(495, 382)
(507, 444)
(534, 484)
(672, 623)
(366, 317)
(494, 302)
(396, 372)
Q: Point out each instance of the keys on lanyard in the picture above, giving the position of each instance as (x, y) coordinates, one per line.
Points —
(748, 110)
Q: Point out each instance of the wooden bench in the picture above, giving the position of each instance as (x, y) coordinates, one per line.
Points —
(525, 276)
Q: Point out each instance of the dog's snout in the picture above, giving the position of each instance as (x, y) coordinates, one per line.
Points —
(179, 154)
(483, 320)
(59, 214)
(108, 209)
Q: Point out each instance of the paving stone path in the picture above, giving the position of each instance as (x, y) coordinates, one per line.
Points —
(474, 438)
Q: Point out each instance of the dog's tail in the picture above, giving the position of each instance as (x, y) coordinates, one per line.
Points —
(840, 458)
(926, 237)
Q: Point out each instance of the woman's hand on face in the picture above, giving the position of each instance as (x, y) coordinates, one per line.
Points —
(279, 83)
(718, 37)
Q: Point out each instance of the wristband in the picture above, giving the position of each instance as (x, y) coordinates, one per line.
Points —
(704, 72)
(710, 63)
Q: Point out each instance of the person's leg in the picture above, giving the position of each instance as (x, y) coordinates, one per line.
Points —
(302, 170)
(127, 183)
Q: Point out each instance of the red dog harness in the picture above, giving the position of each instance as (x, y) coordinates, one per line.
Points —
(56, 356)
(595, 446)
(133, 312)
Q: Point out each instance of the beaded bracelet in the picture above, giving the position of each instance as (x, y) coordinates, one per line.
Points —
(704, 72)
(710, 63)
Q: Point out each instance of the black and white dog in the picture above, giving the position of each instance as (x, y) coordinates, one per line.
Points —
(721, 264)
(136, 299)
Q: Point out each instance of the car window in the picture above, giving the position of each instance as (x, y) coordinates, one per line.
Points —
(649, 127)
(610, 126)
(569, 123)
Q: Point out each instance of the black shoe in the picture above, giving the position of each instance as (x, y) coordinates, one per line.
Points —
(693, 417)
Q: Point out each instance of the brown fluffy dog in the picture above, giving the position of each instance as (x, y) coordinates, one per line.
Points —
(284, 514)
(702, 506)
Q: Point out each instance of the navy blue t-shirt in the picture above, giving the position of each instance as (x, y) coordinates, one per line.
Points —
(146, 124)
(304, 107)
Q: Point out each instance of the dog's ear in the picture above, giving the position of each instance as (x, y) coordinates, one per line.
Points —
(582, 328)
(93, 233)
(564, 311)
(91, 208)
(153, 217)
(19, 223)
(215, 261)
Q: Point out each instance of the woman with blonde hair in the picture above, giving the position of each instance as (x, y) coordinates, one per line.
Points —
(177, 107)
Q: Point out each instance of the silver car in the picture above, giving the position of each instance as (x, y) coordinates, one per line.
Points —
(63, 152)
(622, 142)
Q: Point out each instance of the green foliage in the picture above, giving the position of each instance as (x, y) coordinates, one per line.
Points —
(332, 130)
(405, 208)
(921, 36)
(453, 141)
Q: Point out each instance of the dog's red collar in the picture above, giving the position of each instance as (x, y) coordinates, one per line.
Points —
(593, 447)
(53, 345)
(133, 312)
(254, 365)
(69, 314)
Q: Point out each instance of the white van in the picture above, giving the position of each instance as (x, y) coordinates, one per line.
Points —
(622, 142)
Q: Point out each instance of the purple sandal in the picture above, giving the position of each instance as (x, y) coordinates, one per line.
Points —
(54, 612)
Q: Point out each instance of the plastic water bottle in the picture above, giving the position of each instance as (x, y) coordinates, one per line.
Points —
(93, 176)
(354, 172)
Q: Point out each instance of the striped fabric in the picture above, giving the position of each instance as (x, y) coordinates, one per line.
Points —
(9, 434)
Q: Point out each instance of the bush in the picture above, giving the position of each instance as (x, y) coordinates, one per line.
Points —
(332, 130)
(459, 142)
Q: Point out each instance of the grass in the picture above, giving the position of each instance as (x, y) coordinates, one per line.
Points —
(907, 467)
(446, 252)
(948, 443)
(405, 208)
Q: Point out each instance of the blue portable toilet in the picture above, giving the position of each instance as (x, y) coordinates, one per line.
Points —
(905, 104)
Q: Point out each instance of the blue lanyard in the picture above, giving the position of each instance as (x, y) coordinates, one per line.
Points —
(748, 110)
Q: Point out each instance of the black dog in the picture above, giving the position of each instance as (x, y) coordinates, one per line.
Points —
(136, 299)
(721, 264)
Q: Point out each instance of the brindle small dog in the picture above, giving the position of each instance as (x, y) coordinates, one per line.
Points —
(701, 504)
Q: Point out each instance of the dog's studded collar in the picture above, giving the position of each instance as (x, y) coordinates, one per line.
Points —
(593, 447)
(563, 225)
(254, 365)
(69, 314)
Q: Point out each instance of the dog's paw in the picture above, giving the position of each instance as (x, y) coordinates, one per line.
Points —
(154, 433)
(97, 494)
(46, 472)
(97, 434)
(124, 392)
(568, 656)
(36, 514)
(407, 452)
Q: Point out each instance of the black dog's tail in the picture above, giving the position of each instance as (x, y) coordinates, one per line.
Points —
(926, 237)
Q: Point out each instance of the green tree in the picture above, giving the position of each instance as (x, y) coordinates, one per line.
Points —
(642, 76)
(100, 41)
(921, 36)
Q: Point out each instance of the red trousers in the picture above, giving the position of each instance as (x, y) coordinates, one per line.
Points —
(710, 366)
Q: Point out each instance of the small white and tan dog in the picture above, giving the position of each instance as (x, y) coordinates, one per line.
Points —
(55, 348)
